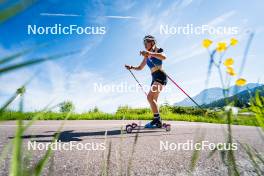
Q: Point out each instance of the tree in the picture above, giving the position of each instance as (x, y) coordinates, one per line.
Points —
(66, 106)
(96, 109)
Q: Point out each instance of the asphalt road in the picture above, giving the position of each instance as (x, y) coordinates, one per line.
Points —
(139, 153)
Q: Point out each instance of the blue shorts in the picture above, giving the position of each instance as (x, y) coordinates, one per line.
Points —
(160, 77)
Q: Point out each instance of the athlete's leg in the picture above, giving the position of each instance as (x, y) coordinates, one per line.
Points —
(153, 95)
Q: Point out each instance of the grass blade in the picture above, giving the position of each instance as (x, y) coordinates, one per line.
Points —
(16, 167)
(20, 91)
(11, 99)
(19, 54)
(253, 161)
(15, 9)
(129, 167)
(34, 61)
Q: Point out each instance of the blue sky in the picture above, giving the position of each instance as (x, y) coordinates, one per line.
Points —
(101, 57)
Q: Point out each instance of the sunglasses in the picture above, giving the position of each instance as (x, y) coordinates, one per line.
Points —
(147, 41)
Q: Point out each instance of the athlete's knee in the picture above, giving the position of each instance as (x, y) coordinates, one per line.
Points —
(150, 97)
(153, 88)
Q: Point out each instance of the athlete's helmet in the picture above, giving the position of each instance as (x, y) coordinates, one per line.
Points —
(149, 38)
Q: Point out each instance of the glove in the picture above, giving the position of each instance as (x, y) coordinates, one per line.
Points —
(129, 67)
(144, 53)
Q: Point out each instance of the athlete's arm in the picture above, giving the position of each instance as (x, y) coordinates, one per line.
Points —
(140, 67)
(160, 56)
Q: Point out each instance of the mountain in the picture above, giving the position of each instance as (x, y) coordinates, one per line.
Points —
(240, 99)
(210, 95)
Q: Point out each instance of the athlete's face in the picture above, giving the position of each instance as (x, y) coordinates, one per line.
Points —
(148, 44)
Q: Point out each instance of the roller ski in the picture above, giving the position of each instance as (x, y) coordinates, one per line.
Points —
(135, 127)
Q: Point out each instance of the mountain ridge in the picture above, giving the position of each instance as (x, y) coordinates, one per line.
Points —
(241, 99)
(210, 95)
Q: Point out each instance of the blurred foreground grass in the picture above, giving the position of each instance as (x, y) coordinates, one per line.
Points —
(239, 120)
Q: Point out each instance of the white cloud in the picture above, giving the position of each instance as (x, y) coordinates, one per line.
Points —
(197, 49)
(150, 22)
(12, 81)
(59, 14)
(4, 51)
(185, 3)
(123, 5)
(222, 18)
(184, 53)
(120, 17)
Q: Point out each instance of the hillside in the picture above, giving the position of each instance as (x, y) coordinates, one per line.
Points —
(240, 99)
(211, 95)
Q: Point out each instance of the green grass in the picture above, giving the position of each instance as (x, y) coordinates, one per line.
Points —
(239, 120)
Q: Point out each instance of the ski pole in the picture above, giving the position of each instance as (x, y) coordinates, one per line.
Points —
(177, 86)
(138, 82)
(184, 92)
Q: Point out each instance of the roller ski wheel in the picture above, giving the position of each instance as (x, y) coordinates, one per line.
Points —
(166, 126)
(129, 128)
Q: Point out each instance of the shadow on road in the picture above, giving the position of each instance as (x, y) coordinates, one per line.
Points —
(71, 135)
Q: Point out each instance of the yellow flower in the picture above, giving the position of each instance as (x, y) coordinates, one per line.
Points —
(230, 71)
(221, 46)
(228, 62)
(241, 82)
(207, 43)
(233, 41)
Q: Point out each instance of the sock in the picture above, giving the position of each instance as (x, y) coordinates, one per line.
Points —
(156, 116)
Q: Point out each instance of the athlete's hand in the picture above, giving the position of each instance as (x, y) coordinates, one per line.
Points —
(128, 67)
(145, 53)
